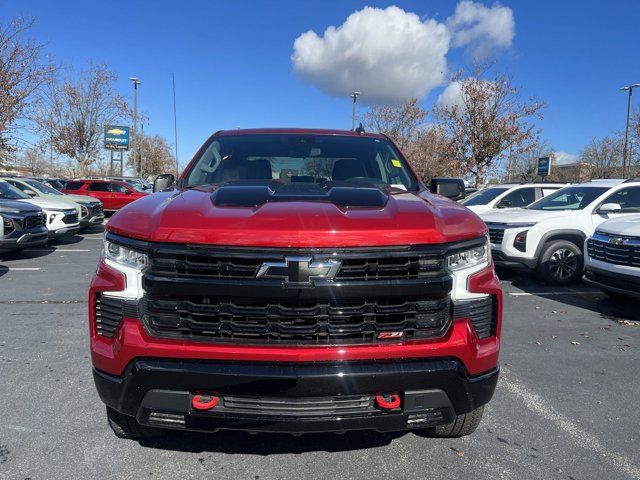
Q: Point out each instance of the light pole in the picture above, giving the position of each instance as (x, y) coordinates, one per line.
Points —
(354, 95)
(136, 156)
(629, 88)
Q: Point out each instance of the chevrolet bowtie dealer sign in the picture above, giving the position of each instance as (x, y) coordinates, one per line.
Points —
(299, 270)
(116, 137)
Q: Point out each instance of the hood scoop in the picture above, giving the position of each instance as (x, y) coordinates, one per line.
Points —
(254, 194)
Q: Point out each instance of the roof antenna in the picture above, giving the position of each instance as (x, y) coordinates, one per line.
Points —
(360, 129)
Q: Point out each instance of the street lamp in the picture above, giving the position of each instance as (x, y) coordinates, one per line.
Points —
(629, 88)
(136, 156)
(354, 95)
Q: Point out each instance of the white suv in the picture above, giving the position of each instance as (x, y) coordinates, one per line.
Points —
(508, 195)
(612, 257)
(549, 234)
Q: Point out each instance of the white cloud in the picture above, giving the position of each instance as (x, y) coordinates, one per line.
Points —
(450, 96)
(391, 55)
(388, 54)
(481, 29)
(564, 158)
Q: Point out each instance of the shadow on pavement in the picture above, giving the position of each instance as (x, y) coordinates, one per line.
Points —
(3, 270)
(573, 294)
(232, 442)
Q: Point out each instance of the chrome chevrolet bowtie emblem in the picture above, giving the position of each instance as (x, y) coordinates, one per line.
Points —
(299, 270)
(616, 241)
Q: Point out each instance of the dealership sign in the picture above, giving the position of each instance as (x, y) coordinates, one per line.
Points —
(544, 166)
(116, 137)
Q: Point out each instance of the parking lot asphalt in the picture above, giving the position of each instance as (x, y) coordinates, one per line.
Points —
(565, 406)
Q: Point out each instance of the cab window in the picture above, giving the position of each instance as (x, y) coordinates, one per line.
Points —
(520, 198)
(22, 187)
(628, 198)
(99, 187)
(118, 188)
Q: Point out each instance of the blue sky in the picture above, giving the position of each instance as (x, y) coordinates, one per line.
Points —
(233, 67)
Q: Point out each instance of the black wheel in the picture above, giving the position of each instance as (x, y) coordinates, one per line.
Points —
(464, 424)
(125, 426)
(560, 262)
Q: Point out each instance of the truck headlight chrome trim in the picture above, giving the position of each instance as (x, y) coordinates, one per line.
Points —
(125, 256)
(470, 258)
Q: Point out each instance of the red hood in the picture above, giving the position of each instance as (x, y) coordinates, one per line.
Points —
(190, 217)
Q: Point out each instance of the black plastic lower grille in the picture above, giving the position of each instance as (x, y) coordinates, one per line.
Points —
(110, 311)
(96, 209)
(299, 321)
(70, 218)
(483, 314)
(300, 406)
(496, 235)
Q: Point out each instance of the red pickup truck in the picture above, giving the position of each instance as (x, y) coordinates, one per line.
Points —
(113, 194)
(295, 281)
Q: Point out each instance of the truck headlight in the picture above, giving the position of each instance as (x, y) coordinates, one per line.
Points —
(473, 257)
(125, 256)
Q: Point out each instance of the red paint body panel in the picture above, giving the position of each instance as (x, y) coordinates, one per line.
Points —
(190, 217)
(110, 200)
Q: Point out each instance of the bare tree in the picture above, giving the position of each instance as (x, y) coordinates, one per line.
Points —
(604, 156)
(34, 160)
(74, 112)
(523, 165)
(487, 122)
(157, 156)
(21, 74)
(424, 146)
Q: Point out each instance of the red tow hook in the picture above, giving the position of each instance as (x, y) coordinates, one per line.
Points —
(388, 401)
(204, 402)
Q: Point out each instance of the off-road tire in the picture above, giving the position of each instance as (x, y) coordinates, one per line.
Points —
(125, 426)
(555, 262)
(464, 424)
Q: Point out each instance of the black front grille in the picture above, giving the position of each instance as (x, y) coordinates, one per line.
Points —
(229, 264)
(300, 406)
(626, 253)
(70, 218)
(496, 235)
(299, 321)
(33, 221)
(482, 313)
(222, 295)
(96, 209)
(110, 311)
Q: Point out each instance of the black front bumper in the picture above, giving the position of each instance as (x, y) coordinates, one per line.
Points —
(613, 281)
(158, 393)
(24, 240)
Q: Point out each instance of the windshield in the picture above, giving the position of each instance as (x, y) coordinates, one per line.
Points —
(297, 158)
(569, 198)
(483, 197)
(9, 192)
(136, 185)
(42, 187)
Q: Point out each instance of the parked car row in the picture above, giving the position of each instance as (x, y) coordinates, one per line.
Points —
(569, 230)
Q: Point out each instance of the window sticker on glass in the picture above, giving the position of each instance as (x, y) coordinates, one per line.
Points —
(396, 163)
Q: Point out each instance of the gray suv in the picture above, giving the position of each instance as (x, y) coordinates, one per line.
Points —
(21, 225)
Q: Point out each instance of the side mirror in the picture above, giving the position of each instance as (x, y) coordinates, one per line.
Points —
(504, 204)
(452, 188)
(31, 193)
(128, 192)
(609, 208)
(163, 181)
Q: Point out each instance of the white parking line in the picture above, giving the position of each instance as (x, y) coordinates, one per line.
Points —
(44, 250)
(575, 433)
(544, 294)
(23, 269)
